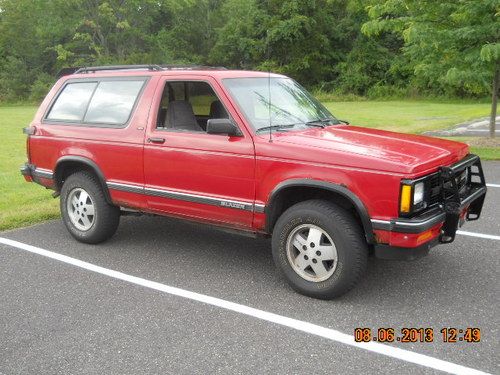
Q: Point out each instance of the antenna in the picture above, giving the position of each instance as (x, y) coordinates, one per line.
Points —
(269, 87)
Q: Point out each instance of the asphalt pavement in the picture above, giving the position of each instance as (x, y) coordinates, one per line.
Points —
(57, 318)
(473, 128)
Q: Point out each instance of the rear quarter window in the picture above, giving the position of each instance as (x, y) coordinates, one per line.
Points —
(106, 102)
(113, 101)
(72, 102)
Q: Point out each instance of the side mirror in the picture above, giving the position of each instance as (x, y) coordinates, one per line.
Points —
(223, 126)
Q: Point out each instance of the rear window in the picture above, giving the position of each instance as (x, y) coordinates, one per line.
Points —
(106, 102)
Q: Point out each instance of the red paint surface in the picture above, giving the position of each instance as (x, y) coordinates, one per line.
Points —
(370, 163)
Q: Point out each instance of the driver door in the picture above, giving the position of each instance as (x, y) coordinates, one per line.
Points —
(191, 173)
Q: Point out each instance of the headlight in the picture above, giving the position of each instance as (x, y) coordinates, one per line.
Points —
(412, 197)
(418, 193)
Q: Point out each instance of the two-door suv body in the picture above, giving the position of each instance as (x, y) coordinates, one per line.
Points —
(251, 151)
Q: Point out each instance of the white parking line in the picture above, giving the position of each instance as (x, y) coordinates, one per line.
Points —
(313, 329)
(493, 185)
(480, 235)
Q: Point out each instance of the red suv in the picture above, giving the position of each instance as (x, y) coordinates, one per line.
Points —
(254, 152)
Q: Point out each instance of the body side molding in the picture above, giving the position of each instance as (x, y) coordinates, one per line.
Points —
(195, 198)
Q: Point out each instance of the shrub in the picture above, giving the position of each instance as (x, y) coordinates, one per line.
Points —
(41, 87)
(386, 92)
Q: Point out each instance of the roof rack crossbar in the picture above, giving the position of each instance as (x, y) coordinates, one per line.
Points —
(192, 67)
(118, 67)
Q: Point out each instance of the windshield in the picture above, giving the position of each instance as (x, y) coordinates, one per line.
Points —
(290, 107)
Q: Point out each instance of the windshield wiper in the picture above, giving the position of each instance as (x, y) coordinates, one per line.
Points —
(276, 127)
(321, 122)
(331, 120)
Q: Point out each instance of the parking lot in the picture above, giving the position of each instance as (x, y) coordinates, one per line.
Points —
(64, 315)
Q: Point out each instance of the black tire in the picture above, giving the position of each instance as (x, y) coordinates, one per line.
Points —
(106, 217)
(346, 235)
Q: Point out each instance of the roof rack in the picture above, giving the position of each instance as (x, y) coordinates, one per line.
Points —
(118, 67)
(192, 67)
(67, 71)
(151, 67)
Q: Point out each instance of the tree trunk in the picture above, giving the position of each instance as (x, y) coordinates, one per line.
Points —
(494, 100)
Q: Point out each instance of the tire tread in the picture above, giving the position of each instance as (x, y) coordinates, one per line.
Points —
(352, 234)
(108, 217)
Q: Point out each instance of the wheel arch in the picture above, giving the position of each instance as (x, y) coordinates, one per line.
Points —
(311, 189)
(69, 164)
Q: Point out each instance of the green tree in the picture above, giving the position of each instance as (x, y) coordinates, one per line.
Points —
(240, 39)
(371, 63)
(104, 32)
(308, 38)
(24, 46)
(186, 30)
(454, 44)
(305, 39)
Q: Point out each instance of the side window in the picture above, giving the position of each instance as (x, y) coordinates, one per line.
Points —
(106, 102)
(178, 90)
(188, 105)
(113, 101)
(201, 97)
(72, 102)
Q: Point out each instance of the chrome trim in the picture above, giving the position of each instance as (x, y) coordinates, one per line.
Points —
(44, 173)
(410, 225)
(199, 199)
(434, 220)
(227, 203)
(259, 208)
(381, 224)
(377, 221)
(125, 187)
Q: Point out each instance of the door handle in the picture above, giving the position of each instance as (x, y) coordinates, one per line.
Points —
(156, 140)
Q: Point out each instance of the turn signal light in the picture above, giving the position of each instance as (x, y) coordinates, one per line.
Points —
(425, 236)
(405, 203)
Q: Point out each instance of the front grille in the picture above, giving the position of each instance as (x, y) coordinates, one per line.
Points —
(451, 189)
(434, 188)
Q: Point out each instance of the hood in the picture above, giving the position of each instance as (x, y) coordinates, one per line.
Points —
(377, 149)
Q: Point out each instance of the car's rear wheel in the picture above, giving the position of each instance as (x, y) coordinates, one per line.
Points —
(320, 249)
(86, 213)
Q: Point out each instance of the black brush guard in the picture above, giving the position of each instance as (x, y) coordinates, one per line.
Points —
(456, 198)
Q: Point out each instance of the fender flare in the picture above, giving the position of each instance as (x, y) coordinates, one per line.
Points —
(335, 188)
(88, 163)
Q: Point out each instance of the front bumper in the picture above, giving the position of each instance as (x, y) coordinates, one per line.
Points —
(403, 253)
(439, 223)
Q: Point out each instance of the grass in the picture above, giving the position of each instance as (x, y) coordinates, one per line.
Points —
(408, 116)
(486, 148)
(21, 203)
(486, 153)
(24, 203)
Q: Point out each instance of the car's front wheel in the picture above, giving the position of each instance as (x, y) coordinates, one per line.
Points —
(320, 249)
(85, 212)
